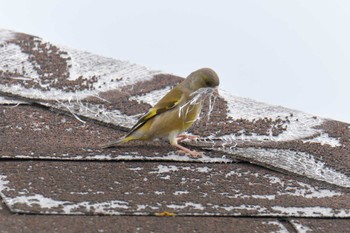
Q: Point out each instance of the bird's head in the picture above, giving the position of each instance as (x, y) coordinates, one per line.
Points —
(202, 78)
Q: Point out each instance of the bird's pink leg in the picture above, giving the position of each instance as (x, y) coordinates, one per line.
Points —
(173, 139)
(183, 137)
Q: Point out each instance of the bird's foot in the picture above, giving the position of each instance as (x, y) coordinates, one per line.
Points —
(193, 154)
(183, 137)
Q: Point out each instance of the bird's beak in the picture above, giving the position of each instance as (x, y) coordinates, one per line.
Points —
(216, 91)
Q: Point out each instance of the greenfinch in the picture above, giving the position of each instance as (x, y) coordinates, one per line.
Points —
(175, 112)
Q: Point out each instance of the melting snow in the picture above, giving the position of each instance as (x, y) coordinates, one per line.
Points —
(165, 169)
(300, 227)
(151, 97)
(312, 211)
(324, 139)
(196, 206)
(176, 193)
(298, 162)
(301, 124)
(15, 61)
(6, 35)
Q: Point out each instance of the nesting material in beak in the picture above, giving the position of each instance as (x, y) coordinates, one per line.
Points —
(216, 91)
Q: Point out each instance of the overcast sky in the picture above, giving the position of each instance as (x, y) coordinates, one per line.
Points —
(292, 53)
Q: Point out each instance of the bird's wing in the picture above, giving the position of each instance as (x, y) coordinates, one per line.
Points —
(168, 102)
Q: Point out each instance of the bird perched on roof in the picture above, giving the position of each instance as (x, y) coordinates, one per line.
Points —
(175, 112)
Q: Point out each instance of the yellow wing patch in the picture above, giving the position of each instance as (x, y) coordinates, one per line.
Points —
(169, 101)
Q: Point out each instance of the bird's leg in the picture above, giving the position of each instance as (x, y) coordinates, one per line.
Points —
(183, 137)
(192, 153)
(174, 142)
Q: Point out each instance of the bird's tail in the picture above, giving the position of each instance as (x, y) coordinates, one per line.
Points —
(116, 143)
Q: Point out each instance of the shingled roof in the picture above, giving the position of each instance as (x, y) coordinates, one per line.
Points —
(265, 168)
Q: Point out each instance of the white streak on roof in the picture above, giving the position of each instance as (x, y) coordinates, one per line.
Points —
(300, 124)
(3, 185)
(290, 187)
(67, 207)
(172, 168)
(196, 206)
(324, 139)
(152, 97)
(243, 196)
(176, 193)
(203, 169)
(300, 163)
(135, 168)
(171, 156)
(37, 199)
(6, 35)
(142, 207)
(88, 65)
(159, 192)
(312, 211)
(307, 191)
(98, 112)
(167, 177)
(82, 64)
(300, 227)
(165, 169)
(12, 59)
(255, 208)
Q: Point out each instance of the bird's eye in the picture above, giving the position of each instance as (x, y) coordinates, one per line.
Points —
(207, 82)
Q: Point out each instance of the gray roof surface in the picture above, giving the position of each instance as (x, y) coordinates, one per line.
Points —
(265, 168)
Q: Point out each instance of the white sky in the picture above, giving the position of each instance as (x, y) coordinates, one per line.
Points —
(292, 53)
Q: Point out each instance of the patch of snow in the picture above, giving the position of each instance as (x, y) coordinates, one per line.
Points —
(307, 191)
(135, 168)
(89, 65)
(159, 192)
(152, 97)
(3, 185)
(324, 139)
(254, 208)
(300, 124)
(176, 193)
(196, 206)
(65, 207)
(37, 199)
(242, 196)
(143, 207)
(301, 163)
(172, 168)
(171, 156)
(311, 211)
(82, 64)
(99, 112)
(167, 177)
(14, 60)
(87, 193)
(6, 35)
(203, 169)
(165, 169)
(300, 227)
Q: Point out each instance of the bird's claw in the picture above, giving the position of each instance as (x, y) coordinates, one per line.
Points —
(192, 154)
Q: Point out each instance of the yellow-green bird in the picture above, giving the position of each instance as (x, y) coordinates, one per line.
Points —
(175, 112)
